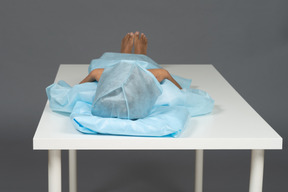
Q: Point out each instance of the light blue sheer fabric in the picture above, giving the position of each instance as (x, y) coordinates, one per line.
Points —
(126, 91)
(197, 102)
(162, 121)
(109, 59)
(62, 97)
(168, 116)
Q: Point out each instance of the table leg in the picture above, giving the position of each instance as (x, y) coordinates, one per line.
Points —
(199, 171)
(73, 170)
(257, 169)
(54, 171)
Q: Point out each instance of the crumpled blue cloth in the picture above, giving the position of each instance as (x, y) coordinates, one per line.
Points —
(162, 121)
(109, 59)
(197, 102)
(126, 91)
(168, 117)
(62, 97)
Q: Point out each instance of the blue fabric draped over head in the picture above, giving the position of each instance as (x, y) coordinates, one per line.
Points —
(129, 100)
(126, 91)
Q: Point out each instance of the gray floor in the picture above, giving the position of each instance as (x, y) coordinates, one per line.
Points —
(245, 40)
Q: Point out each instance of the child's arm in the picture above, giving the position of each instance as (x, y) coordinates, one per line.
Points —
(162, 74)
(93, 76)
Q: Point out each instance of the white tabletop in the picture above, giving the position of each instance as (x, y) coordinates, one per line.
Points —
(233, 124)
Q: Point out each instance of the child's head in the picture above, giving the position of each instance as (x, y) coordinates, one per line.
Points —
(126, 91)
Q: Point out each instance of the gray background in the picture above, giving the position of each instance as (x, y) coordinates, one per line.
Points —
(247, 41)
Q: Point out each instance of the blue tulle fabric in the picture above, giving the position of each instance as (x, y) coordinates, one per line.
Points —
(127, 91)
(167, 117)
(162, 121)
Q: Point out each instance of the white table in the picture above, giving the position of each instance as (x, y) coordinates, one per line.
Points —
(233, 124)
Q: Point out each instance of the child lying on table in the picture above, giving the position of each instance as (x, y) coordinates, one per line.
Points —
(140, 43)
